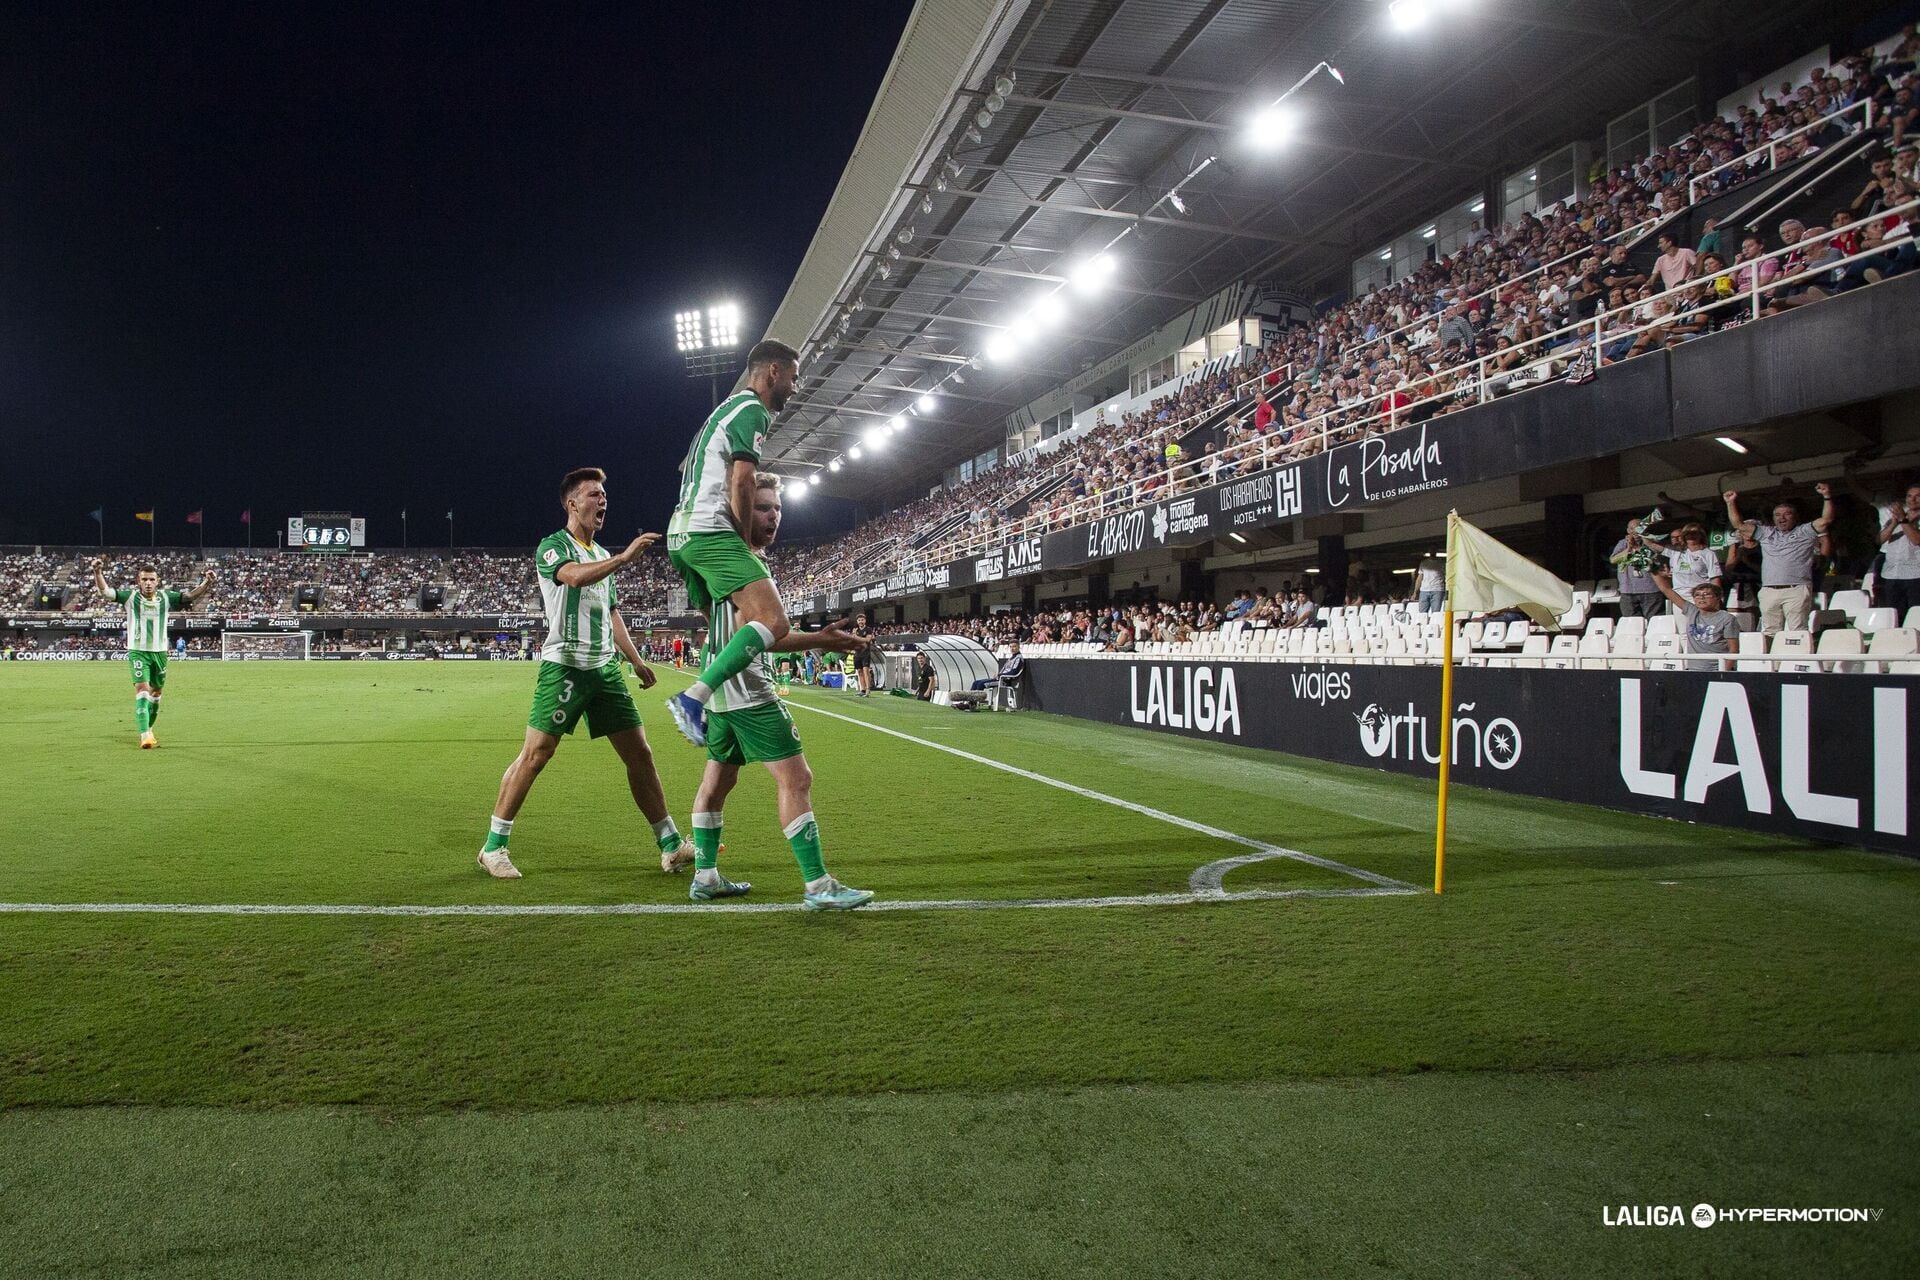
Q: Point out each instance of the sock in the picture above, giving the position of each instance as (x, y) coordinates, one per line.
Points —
(748, 643)
(666, 835)
(803, 834)
(707, 875)
(498, 829)
(153, 711)
(706, 842)
(142, 712)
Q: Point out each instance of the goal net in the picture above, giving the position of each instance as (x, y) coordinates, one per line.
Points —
(266, 646)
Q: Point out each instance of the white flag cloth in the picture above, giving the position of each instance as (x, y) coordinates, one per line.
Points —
(1484, 574)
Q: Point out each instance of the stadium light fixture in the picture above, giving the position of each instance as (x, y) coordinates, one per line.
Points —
(854, 453)
(897, 423)
(814, 479)
(723, 326)
(875, 439)
(1179, 205)
(1236, 537)
(1478, 206)
(834, 465)
(1271, 127)
(1047, 311)
(1000, 348)
(1430, 233)
(1409, 15)
(795, 489)
(1731, 443)
(687, 331)
(1092, 275)
(926, 404)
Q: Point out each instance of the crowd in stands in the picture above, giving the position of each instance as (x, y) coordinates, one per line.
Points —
(1522, 298)
(269, 582)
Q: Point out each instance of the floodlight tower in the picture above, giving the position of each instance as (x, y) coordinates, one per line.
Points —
(710, 344)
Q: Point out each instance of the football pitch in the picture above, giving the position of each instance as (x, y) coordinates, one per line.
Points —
(1135, 1004)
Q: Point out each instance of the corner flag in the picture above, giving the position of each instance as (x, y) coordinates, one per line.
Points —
(1483, 574)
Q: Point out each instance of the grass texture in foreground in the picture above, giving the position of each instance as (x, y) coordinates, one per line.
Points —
(1689, 965)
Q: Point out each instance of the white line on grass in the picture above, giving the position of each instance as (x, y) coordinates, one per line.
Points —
(1266, 850)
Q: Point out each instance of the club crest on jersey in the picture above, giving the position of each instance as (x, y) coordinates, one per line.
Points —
(551, 555)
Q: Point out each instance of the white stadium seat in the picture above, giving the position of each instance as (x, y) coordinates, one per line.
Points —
(1563, 653)
(1663, 652)
(1877, 620)
(1891, 642)
(1841, 641)
(1753, 642)
(1794, 642)
(1851, 603)
(1593, 649)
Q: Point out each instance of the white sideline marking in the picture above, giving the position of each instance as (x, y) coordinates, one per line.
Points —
(1264, 850)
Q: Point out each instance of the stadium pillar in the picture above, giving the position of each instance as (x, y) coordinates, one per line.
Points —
(1566, 515)
(973, 604)
(933, 608)
(1026, 597)
(1333, 568)
(1195, 582)
(1098, 594)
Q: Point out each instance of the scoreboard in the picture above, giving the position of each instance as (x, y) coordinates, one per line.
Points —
(326, 531)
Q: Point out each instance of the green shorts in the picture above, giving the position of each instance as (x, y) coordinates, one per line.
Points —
(714, 565)
(149, 668)
(563, 694)
(752, 735)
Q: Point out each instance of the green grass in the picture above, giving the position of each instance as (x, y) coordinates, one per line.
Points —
(1325, 1085)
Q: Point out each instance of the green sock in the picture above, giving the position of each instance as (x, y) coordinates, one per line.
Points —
(153, 712)
(748, 643)
(706, 841)
(498, 829)
(803, 834)
(142, 714)
(666, 835)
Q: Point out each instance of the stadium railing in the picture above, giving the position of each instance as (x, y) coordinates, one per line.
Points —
(1862, 108)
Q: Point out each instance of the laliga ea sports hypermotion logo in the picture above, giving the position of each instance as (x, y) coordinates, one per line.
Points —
(1413, 737)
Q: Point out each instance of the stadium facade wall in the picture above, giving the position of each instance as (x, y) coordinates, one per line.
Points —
(1848, 349)
(1826, 757)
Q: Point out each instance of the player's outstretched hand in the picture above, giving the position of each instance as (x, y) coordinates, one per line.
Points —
(638, 547)
(836, 638)
(99, 564)
(644, 674)
(206, 578)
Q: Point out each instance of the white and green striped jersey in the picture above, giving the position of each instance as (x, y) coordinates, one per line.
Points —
(147, 619)
(753, 687)
(579, 619)
(734, 432)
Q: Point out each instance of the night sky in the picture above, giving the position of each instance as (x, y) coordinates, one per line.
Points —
(332, 257)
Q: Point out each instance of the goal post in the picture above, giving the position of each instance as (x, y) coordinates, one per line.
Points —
(266, 646)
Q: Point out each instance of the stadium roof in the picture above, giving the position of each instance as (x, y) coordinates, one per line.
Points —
(948, 223)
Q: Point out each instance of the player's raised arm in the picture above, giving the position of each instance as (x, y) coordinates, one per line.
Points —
(205, 585)
(584, 573)
(100, 578)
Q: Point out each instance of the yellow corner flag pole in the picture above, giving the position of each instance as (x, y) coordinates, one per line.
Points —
(1446, 712)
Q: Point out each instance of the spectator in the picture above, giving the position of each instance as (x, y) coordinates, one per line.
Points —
(1431, 582)
(1710, 628)
(1675, 264)
(1897, 585)
(1786, 569)
(1693, 562)
(1633, 556)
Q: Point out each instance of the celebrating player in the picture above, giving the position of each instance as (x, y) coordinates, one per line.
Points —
(148, 608)
(706, 538)
(747, 722)
(580, 675)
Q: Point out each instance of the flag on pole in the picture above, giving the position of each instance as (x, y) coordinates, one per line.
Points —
(194, 517)
(1484, 574)
(144, 515)
(246, 517)
(99, 515)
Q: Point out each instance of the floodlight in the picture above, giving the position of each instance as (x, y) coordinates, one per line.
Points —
(1271, 127)
(1003, 85)
(1092, 275)
(814, 479)
(1000, 348)
(926, 403)
(1409, 15)
(875, 439)
(834, 465)
(1179, 205)
(854, 453)
(983, 119)
(897, 422)
(1047, 311)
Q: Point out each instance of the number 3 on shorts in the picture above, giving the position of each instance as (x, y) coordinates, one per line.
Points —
(566, 690)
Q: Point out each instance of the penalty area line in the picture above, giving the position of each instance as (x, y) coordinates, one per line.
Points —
(1262, 849)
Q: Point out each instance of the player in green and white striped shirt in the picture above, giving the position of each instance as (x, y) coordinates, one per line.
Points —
(580, 675)
(148, 608)
(706, 540)
(746, 723)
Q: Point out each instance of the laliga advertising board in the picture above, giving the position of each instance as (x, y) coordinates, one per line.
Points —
(1822, 756)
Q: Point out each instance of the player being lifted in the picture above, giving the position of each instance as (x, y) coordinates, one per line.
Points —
(706, 545)
(746, 722)
(580, 675)
(148, 608)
